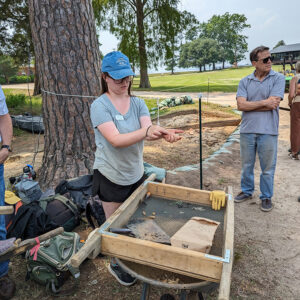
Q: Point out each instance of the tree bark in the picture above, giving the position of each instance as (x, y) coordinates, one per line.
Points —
(68, 60)
(172, 67)
(144, 78)
(37, 85)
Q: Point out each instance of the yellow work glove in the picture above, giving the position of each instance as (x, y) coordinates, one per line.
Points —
(217, 199)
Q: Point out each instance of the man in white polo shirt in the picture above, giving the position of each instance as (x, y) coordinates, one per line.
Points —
(7, 286)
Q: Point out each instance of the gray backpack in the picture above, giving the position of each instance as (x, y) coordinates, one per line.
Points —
(28, 190)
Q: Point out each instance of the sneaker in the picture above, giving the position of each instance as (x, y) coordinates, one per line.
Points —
(242, 197)
(7, 288)
(290, 150)
(123, 277)
(294, 156)
(266, 204)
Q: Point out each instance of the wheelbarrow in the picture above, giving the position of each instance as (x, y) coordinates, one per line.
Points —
(190, 288)
(207, 269)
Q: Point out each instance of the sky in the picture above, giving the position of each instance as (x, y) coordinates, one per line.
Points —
(270, 20)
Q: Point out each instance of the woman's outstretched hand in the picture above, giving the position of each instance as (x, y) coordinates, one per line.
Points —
(155, 132)
(172, 135)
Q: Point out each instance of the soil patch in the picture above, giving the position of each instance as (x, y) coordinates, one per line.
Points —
(186, 151)
(24, 146)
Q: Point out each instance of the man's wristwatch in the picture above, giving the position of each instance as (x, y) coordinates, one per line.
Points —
(6, 147)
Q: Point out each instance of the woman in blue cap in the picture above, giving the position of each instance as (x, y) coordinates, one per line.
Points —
(121, 123)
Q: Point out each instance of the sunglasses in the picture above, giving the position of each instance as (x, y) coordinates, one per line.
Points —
(119, 81)
(266, 60)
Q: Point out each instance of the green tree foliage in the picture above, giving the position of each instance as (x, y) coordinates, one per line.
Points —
(147, 29)
(15, 34)
(280, 43)
(226, 30)
(171, 55)
(172, 62)
(199, 53)
(7, 67)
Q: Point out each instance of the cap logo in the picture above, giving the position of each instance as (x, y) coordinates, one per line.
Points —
(121, 61)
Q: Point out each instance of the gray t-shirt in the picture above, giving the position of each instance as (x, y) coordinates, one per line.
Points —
(123, 166)
(251, 88)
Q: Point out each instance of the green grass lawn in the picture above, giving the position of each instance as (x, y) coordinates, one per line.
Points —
(31, 105)
(205, 107)
(216, 81)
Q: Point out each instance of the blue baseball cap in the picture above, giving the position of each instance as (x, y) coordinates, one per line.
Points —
(117, 65)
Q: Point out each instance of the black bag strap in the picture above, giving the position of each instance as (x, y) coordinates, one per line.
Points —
(59, 292)
(88, 214)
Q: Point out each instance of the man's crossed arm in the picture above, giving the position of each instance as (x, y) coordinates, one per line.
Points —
(261, 105)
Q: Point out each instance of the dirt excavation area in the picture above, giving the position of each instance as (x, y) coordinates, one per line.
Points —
(267, 245)
(186, 151)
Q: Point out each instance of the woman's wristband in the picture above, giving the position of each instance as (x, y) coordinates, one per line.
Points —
(147, 130)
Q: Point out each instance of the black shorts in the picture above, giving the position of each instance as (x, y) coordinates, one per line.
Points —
(112, 192)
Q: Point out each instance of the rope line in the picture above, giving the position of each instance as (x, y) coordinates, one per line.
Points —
(67, 95)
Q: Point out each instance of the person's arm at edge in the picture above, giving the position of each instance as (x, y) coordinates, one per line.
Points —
(6, 132)
(292, 90)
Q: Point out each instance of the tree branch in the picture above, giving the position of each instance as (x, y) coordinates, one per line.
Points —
(132, 4)
(149, 12)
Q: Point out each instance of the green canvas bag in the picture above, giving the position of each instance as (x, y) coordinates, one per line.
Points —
(49, 263)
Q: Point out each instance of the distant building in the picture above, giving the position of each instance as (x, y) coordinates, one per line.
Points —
(287, 54)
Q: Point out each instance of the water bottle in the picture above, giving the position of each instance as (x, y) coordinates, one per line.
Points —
(27, 173)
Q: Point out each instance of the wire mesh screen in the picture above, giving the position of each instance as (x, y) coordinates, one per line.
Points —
(171, 215)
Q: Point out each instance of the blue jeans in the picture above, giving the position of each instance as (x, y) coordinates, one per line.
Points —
(266, 147)
(3, 265)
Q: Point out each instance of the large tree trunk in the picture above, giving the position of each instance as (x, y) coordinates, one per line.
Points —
(144, 79)
(37, 85)
(68, 60)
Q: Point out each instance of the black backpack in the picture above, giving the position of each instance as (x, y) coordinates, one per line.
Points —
(94, 212)
(80, 191)
(41, 216)
(30, 221)
(61, 211)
